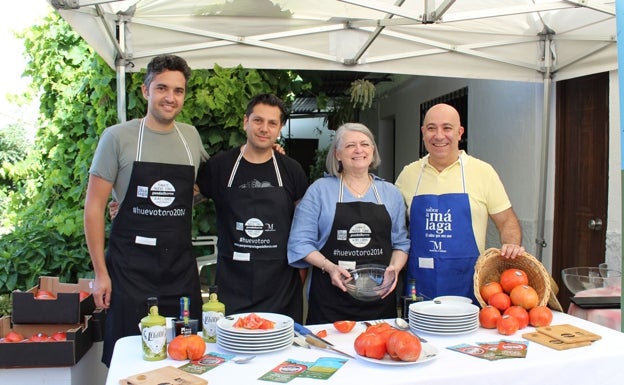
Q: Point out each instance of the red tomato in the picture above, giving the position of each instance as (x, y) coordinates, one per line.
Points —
(321, 333)
(378, 328)
(186, 347)
(524, 296)
(520, 314)
(253, 321)
(540, 316)
(59, 336)
(83, 295)
(370, 345)
(501, 301)
(403, 346)
(40, 337)
(511, 278)
(507, 325)
(44, 294)
(344, 326)
(489, 289)
(488, 316)
(13, 337)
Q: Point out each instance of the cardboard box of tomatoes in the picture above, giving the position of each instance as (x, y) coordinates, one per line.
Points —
(43, 345)
(53, 302)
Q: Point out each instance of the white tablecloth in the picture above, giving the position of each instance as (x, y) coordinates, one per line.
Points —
(599, 363)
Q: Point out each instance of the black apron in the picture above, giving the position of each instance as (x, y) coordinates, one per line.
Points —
(253, 274)
(149, 250)
(365, 228)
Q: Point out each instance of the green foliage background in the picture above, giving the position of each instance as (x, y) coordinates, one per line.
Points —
(77, 94)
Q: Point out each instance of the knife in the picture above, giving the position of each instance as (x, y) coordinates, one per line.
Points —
(304, 331)
(320, 344)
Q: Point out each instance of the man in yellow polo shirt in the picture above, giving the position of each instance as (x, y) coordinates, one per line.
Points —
(449, 196)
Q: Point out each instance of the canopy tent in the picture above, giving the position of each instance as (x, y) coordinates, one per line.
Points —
(519, 40)
(489, 39)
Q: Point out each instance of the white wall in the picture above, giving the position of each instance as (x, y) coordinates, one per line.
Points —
(308, 128)
(504, 129)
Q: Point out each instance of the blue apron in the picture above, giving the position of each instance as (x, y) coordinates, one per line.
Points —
(443, 248)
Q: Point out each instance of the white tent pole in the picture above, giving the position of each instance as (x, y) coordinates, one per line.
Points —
(541, 211)
(120, 69)
(619, 18)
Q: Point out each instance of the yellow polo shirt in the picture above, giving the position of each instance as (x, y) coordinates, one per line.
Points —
(486, 192)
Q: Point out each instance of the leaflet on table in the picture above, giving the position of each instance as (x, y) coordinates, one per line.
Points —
(321, 369)
(495, 350)
(207, 362)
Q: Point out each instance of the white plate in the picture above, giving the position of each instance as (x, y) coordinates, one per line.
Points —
(255, 336)
(281, 322)
(444, 309)
(241, 349)
(253, 342)
(443, 332)
(278, 346)
(458, 298)
(428, 353)
(433, 326)
(443, 320)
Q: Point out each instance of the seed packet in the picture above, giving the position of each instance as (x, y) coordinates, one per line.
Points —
(506, 349)
(208, 362)
(514, 349)
(286, 371)
(323, 368)
(475, 351)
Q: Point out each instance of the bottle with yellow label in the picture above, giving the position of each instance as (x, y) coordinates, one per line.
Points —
(212, 312)
(153, 333)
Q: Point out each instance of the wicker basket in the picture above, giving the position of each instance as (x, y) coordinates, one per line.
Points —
(490, 265)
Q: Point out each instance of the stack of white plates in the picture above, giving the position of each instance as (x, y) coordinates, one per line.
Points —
(443, 317)
(253, 341)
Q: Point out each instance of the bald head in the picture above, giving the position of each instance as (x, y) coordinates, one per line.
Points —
(442, 112)
(442, 131)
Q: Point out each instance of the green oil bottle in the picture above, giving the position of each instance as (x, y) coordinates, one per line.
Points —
(212, 312)
(153, 333)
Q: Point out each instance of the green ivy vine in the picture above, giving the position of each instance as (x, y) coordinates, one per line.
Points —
(77, 94)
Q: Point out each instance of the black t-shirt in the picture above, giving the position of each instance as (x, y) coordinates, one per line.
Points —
(214, 175)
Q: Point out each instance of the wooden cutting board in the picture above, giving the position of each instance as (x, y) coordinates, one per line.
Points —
(554, 343)
(165, 375)
(568, 333)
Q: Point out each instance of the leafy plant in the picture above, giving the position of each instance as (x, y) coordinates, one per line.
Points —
(5, 305)
(76, 89)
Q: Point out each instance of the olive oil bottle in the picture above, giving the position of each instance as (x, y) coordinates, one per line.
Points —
(153, 333)
(212, 312)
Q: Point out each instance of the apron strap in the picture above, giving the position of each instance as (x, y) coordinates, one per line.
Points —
(139, 151)
(341, 190)
(422, 171)
(240, 156)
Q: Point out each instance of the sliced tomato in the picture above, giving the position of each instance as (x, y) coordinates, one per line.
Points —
(344, 326)
(321, 333)
(266, 324)
(253, 321)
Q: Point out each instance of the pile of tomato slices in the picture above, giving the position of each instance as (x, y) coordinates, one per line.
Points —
(253, 321)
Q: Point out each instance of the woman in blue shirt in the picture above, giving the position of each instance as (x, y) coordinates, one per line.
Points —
(347, 219)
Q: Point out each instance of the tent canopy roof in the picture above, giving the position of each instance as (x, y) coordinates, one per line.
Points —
(486, 39)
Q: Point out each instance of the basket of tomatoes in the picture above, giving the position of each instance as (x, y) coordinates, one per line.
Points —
(490, 265)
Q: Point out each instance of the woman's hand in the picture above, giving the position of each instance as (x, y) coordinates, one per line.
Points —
(389, 274)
